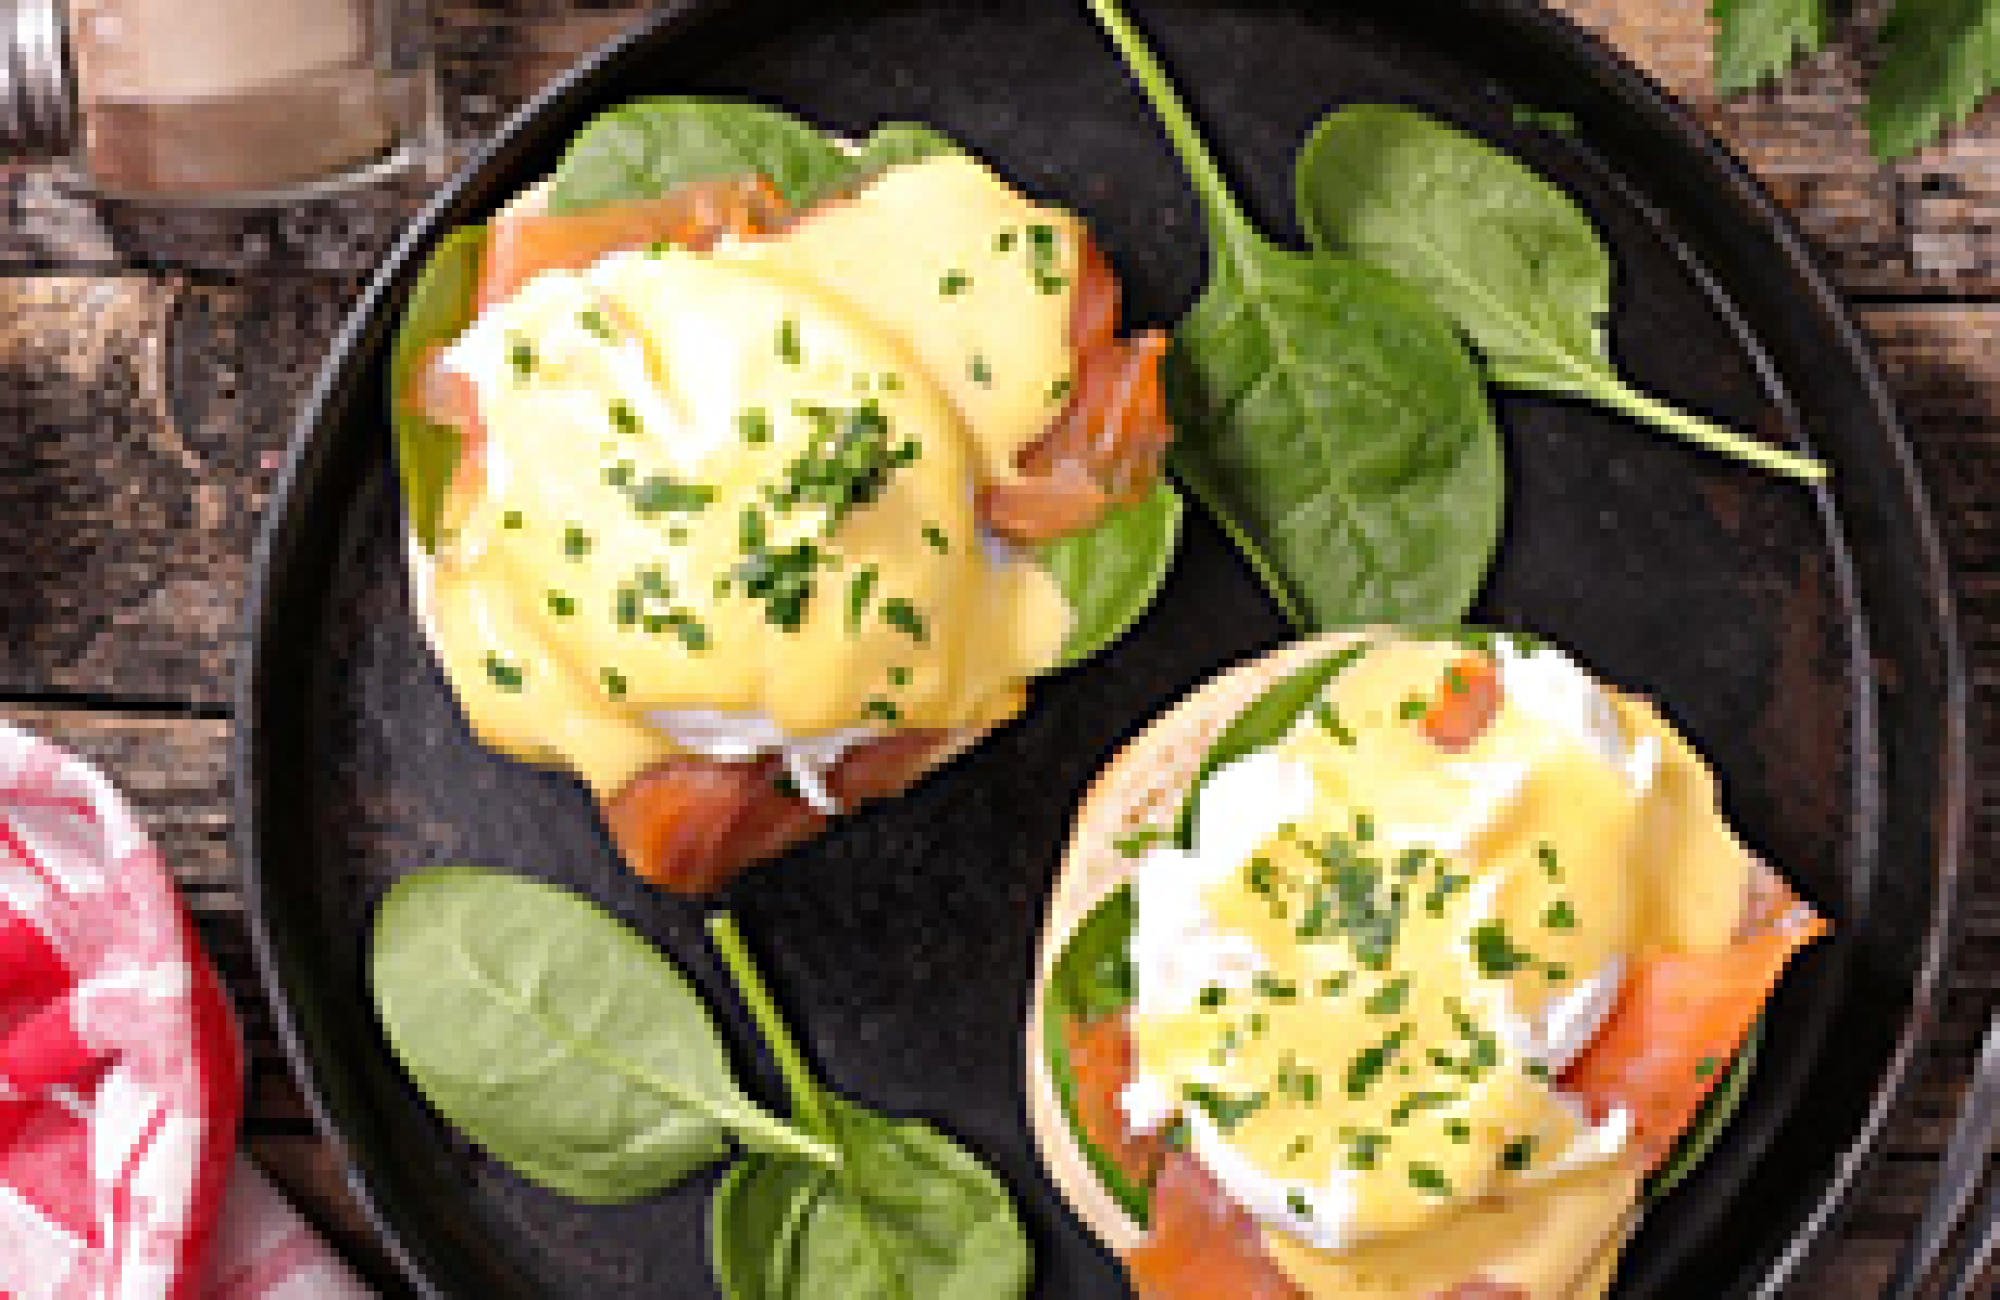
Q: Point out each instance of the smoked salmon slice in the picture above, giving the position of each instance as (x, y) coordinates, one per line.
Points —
(523, 241)
(689, 825)
(1106, 447)
(1677, 1023)
(1100, 1061)
(1203, 1246)
(1466, 700)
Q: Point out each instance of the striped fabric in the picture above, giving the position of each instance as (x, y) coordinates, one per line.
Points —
(121, 1073)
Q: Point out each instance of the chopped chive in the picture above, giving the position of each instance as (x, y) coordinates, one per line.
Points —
(1705, 1067)
(512, 520)
(1364, 828)
(595, 321)
(1273, 988)
(1454, 681)
(691, 631)
(1213, 996)
(754, 425)
(859, 588)
(1518, 1154)
(899, 676)
(520, 355)
(1560, 915)
(506, 676)
(1295, 1201)
(903, 616)
(1135, 842)
(1545, 853)
(1364, 1147)
(561, 604)
(1414, 709)
(935, 536)
(1329, 721)
(1059, 391)
(1458, 1130)
(1494, 952)
(614, 681)
(1429, 1178)
(1226, 1109)
(1415, 1101)
(882, 709)
(1368, 1064)
(1004, 241)
(623, 417)
(576, 542)
(982, 373)
(789, 350)
(1390, 999)
(953, 283)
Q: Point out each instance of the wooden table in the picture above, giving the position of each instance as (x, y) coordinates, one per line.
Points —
(149, 366)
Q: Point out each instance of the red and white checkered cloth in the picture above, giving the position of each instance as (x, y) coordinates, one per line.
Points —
(121, 1073)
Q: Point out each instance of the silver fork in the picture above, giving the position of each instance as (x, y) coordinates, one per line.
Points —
(1965, 1158)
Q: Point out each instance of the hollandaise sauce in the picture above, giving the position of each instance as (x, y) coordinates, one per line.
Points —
(738, 486)
(1357, 991)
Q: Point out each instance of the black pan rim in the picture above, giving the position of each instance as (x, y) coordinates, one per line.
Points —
(1642, 96)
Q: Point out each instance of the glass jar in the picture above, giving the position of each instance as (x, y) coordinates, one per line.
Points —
(216, 101)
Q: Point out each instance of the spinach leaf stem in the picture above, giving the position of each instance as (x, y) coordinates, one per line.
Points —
(806, 1103)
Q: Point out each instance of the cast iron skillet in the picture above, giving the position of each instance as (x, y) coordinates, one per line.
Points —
(1805, 640)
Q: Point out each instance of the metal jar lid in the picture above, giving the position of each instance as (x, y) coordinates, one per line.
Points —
(37, 97)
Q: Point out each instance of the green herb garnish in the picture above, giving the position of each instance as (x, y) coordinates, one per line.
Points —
(506, 676)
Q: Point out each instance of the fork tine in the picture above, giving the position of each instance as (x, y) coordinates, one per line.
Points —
(1980, 1248)
(1964, 1166)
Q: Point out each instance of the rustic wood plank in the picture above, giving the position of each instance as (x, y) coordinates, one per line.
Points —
(140, 419)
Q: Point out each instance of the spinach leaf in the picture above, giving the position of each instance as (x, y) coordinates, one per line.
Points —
(1756, 40)
(1264, 724)
(1329, 416)
(1941, 58)
(643, 149)
(893, 144)
(1505, 253)
(907, 1215)
(1111, 573)
(1092, 977)
(1713, 1117)
(439, 309)
(557, 1038)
